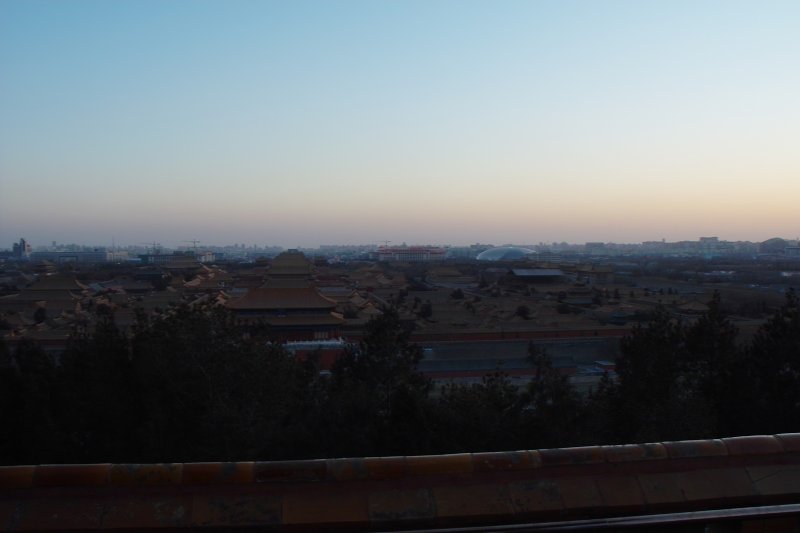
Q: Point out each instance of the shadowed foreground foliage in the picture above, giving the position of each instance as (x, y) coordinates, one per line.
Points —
(193, 386)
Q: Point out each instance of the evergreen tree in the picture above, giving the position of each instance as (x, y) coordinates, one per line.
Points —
(376, 401)
(209, 392)
(554, 408)
(656, 399)
(713, 367)
(98, 392)
(774, 365)
(599, 425)
(479, 417)
(31, 431)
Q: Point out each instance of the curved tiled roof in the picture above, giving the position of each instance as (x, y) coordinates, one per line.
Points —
(329, 319)
(290, 263)
(28, 296)
(392, 493)
(282, 298)
(56, 282)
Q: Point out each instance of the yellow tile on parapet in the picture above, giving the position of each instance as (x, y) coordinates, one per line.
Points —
(386, 467)
(753, 445)
(16, 477)
(572, 456)
(503, 461)
(635, 452)
(217, 473)
(307, 470)
(789, 441)
(427, 465)
(346, 469)
(92, 475)
(146, 474)
(683, 449)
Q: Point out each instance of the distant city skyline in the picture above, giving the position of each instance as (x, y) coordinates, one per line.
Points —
(225, 236)
(201, 245)
(445, 122)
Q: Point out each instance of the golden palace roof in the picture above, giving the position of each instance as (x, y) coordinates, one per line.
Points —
(282, 298)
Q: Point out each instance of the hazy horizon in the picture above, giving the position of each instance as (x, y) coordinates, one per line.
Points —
(308, 123)
(200, 245)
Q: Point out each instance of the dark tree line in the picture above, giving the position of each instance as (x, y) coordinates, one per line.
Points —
(696, 380)
(194, 386)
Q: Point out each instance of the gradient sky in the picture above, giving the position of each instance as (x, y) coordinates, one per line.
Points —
(305, 123)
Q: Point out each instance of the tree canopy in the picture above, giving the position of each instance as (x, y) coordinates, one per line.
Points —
(193, 385)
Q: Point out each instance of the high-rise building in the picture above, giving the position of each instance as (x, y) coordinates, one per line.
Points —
(22, 249)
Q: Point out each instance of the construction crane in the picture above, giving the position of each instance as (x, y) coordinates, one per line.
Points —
(194, 242)
(156, 246)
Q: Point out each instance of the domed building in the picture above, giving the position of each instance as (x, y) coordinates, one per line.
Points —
(505, 253)
(775, 245)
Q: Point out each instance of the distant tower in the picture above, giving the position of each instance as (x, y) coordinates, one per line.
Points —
(22, 250)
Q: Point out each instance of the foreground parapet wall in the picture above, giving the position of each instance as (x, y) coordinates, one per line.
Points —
(395, 493)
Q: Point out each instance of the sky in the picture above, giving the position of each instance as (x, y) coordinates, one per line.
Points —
(299, 123)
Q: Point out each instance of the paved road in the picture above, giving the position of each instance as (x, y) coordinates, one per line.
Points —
(571, 352)
(467, 362)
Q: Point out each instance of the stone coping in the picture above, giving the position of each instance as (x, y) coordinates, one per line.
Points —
(378, 493)
(381, 468)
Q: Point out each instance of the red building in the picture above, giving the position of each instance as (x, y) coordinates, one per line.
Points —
(411, 254)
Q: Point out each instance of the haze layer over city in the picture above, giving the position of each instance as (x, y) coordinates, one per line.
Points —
(308, 123)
